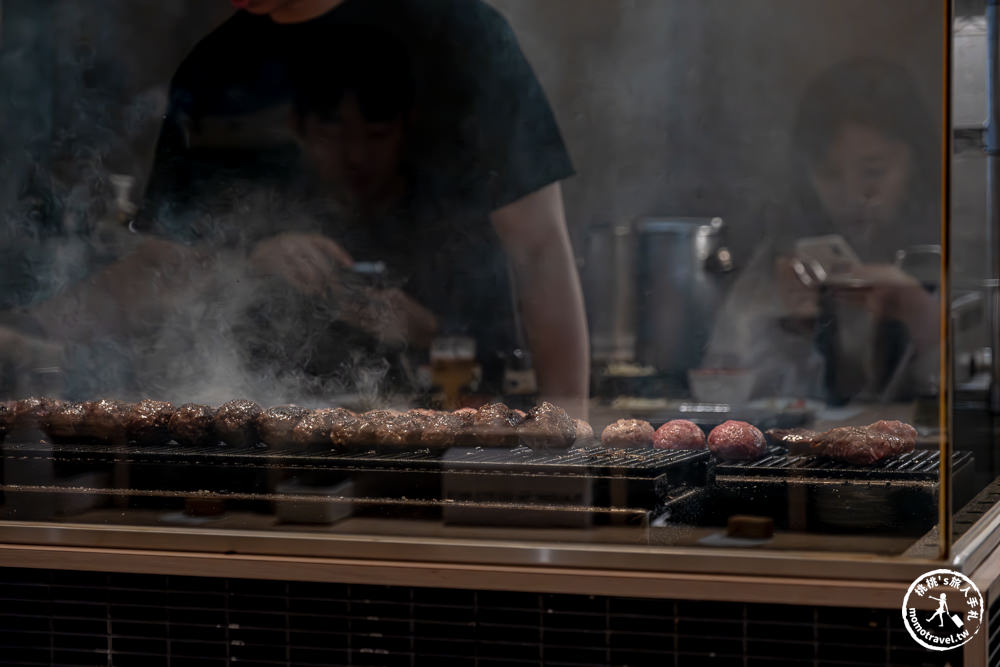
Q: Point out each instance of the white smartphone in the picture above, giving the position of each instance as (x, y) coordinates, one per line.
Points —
(821, 257)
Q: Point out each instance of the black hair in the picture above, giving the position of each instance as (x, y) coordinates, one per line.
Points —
(366, 62)
(871, 92)
(875, 93)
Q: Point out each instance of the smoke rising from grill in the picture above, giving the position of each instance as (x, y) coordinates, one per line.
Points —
(654, 124)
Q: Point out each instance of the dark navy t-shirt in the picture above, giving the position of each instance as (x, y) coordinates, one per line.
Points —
(483, 136)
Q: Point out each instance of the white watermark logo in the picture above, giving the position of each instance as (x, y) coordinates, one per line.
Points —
(942, 610)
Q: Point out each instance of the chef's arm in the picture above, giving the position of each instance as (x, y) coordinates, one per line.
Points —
(533, 233)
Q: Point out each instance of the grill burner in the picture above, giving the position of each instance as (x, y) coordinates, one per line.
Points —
(912, 466)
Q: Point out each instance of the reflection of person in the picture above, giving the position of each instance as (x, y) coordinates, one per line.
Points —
(427, 129)
(865, 166)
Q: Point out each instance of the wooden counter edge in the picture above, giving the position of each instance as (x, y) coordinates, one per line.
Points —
(667, 585)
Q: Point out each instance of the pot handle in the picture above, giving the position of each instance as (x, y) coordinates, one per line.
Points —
(720, 261)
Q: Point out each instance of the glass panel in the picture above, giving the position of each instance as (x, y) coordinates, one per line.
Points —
(371, 221)
(974, 260)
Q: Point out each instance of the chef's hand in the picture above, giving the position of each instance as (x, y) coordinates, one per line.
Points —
(888, 292)
(308, 262)
(391, 316)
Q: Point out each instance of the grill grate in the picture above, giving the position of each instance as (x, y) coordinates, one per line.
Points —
(591, 461)
(913, 466)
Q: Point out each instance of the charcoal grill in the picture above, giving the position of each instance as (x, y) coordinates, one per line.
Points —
(816, 493)
(634, 481)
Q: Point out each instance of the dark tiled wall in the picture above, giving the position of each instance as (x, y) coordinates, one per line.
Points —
(77, 618)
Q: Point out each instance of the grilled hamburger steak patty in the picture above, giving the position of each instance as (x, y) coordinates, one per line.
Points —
(275, 425)
(444, 429)
(105, 419)
(148, 422)
(28, 416)
(547, 425)
(494, 426)
(584, 433)
(66, 422)
(314, 428)
(737, 441)
(627, 433)
(235, 422)
(679, 434)
(345, 428)
(192, 424)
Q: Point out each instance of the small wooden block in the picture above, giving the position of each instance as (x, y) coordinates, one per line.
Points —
(750, 527)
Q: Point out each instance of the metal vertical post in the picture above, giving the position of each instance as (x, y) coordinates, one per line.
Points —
(993, 190)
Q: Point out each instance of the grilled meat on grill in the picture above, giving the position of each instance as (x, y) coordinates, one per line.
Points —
(148, 422)
(275, 425)
(444, 429)
(467, 415)
(235, 422)
(345, 428)
(27, 417)
(547, 425)
(860, 445)
(104, 420)
(679, 434)
(736, 440)
(314, 428)
(66, 422)
(866, 445)
(494, 426)
(193, 424)
(584, 433)
(798, 441)
(627, 433)
(392, 428)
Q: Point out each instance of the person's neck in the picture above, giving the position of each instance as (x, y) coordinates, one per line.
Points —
(300, 11)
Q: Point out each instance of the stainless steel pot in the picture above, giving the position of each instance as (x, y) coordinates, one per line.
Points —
(682, 266)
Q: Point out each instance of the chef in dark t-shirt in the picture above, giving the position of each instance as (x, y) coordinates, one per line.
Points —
(423, 126)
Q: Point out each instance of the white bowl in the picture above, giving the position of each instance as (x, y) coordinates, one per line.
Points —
(732, 386)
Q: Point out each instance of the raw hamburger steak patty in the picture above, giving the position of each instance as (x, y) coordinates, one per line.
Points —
(148, 422)
(737, 441)
(192, 425)
(627, 433)
(236, 422)
(679, 434)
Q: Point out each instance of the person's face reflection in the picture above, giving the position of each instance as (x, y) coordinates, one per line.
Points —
(862, 182)
(359, 158)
